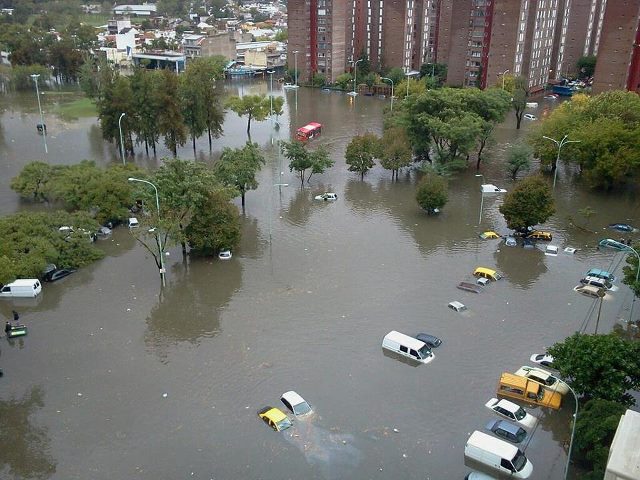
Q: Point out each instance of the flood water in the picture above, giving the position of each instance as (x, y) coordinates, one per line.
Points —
(119, 379)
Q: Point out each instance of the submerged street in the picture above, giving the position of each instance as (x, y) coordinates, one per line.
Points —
(119, 378)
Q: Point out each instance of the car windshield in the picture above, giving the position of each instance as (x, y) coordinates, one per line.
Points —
(284, 424)
(519, 461)
(424, 352)
(520, 435)
(520, 413)
(302, 408)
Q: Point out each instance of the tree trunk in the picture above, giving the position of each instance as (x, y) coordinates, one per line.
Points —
(249, 125)
(146, 146)
(243, 192)
(193, 140)
(210, 144)
(301, 178)
(362, 175)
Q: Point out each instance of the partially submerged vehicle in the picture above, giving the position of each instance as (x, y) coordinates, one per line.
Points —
(470, 287)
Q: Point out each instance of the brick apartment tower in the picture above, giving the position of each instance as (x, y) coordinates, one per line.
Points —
(582, 35)
(618, 64)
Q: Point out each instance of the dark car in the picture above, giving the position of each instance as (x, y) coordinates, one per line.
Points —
(622, 227)
(528, 243)
(58, 274)
(507, 430)
(430, 340)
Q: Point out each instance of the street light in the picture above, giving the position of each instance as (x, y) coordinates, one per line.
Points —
(573, 430)
(481, 197)
(560, 144)
(355, 77)
(388, 79)
(502, 75)
(35, 77)
(121, 142)
(158, 240)
(295, 73)
(279, 185)
(622, 246)
(270, 72)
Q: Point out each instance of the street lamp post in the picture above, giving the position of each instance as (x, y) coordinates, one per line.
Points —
(481, 197)
(121, 142)
(270, 72)
(35, 77)
(158, 240)
(295, 72)
(502, 75)
(622, 246)
(388, 79)
(573, 430)
(279, 185)
(560, 144)
(355, 76)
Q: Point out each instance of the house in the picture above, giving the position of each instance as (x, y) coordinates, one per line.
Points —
(144, 10)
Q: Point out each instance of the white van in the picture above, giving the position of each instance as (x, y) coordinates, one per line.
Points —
(26, 287)
(498, 455)
(407, 346)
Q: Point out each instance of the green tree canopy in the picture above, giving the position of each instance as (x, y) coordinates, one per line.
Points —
(253, 106)
(215, 226)
(519, 99)
(238, 167)
(361, 152)
(301, 160)
(518, 159)
(396, 150)
(599, 366)
(432, 194)
(528, 204)
(586, 66)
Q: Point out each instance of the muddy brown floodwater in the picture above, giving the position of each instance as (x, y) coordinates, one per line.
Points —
(119, 379)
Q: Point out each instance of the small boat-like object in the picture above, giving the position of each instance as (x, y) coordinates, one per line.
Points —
(290, 86)
(17, 331)
(470, 287)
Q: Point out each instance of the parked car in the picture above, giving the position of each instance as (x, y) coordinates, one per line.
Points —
(510, 241)
(551, 251)
(528, 243)
(133, 222)
(275, 418)
(470, 287)
(530, 116)
(296, 403)
(622, 227)
(489, 234)
(540, 235)
(103, 232)
(590, 291)
(487, 273)
(511, 411)
(431, 340)
(225, 255)
(326, 197)
(58, 274)
(596, 282)
(490, 188)
(458, 306)
(596, 272)
(526, 390)
(610, 243)
(507, 430)
(544, 378)
(543, 359)
(478, 476)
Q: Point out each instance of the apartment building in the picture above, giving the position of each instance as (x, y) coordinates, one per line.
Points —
(583, 28)
(618, 64)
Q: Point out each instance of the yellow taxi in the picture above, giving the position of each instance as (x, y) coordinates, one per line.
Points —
(489, 234)
(275, 418)
(540, 235)
(487, 273)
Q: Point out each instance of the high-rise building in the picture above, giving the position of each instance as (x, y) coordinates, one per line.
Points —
(582, 35)
(618, 63)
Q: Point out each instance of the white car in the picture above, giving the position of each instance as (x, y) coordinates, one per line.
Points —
(530, 116)
(542, 359)
(133, 222)
(511, 411)
(544, 378)
(326, 197)
(490, 188)
(225, 255)
(296, 403)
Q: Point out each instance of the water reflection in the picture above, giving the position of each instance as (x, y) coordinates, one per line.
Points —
(190, 306)
(300, 208)
(23, 445)
(521, 267)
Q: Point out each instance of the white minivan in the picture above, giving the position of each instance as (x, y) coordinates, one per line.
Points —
(498, 455)
(407, 346)
(25, 287)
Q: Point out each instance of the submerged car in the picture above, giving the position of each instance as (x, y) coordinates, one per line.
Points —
(510, 241)
(296, 403)
(484, 272)
(489, 234)
(225, 255)
(610, 243)
(543, 359)
(530, 116)
(596, 272)
(590, 291)
(544, 378)
(540, 235)
(511, 411)
(275, 418)
(507, 430)
(490, 188)
(103, 232)
(470, 287)
(57, 274)
(326, 197)
(622, 227)
(431, 340)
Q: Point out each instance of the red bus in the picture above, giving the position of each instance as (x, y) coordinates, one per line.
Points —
(309, 131)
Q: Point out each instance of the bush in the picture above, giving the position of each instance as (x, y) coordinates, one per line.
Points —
(432, 192)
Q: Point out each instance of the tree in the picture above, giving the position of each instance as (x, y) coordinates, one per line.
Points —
(436, 71)
(596, 426)
(343, 80)
(192, 93)
(519, 99)
(171, 121)
(147, 107)
(491, 106)
(215, 226)
(431, 194)
(631, 271)
(586, 66)
(529, 203)
(253, 106)
(518, 158)
(238, 167)
(32, 182)
(396, 74)
(361, 152)
(301, 159)
(396, 150)
(599, 366)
